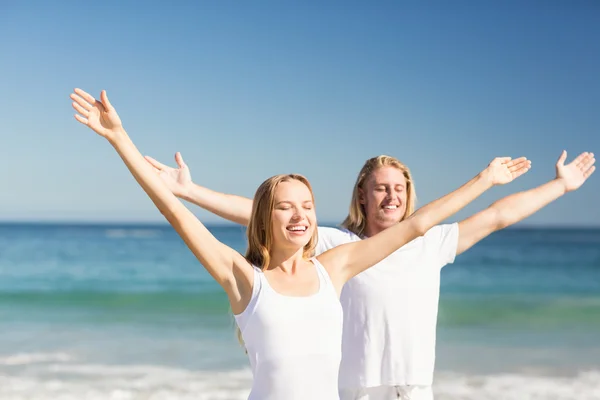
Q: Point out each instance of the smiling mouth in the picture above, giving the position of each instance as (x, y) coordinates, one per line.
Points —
(297, 228)
(392, 207)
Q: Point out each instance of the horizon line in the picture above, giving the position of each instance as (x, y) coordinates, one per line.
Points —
(230, 224)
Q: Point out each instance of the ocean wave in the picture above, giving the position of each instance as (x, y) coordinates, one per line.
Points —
(583, 386)
(106, 382)
(33, 358)
(150, 382)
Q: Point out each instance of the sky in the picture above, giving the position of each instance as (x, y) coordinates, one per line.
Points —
(247, 90)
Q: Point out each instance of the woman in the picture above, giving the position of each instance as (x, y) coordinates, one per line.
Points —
(285, 301)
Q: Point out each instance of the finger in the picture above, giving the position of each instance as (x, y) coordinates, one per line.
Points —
(518, 160)
(86, 96)
(526, 165)
(517, 163)
(155, 163)
(179, 160)
(584, 160)
(588, 164)
(80, 110)
(104, 99)
(561, 160)
(589, 172)
(520, 172)
(81, 101)
(579, 158)
(81, 119)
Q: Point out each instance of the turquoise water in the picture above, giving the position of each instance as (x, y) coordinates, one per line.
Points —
(99, 311)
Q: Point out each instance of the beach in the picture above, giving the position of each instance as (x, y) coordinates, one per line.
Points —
(108, 311)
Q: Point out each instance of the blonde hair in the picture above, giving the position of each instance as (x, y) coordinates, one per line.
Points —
(259, 233)
(356, 220)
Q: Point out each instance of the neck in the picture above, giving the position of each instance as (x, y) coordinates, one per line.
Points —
(287, 258)
(373, 229)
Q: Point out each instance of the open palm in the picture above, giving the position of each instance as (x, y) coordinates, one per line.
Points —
(100, 116)
(574, 174)
(503, 170)
(178, 180)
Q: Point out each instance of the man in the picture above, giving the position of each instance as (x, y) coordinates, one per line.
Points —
(390, 311)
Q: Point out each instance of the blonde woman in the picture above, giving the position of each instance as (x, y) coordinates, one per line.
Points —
(286, 302)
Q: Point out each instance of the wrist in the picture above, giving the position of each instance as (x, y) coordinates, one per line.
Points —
(185, 191)
(117, 136)
(485, 178)
(563, 187)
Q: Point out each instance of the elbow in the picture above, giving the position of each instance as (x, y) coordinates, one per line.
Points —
(503, 222)
(502, 218)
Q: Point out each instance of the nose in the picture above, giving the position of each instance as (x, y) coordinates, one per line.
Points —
(298, 214)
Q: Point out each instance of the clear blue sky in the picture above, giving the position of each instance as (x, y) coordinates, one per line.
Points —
(246, 90)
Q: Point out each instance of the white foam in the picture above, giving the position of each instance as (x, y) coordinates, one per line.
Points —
(32, 358)
(70, 381)
(583, 386)
(96, 382)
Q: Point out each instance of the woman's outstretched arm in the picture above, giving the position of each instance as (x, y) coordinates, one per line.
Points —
(229, 268)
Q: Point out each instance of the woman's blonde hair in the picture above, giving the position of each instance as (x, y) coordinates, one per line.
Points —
(356, 220)
(259, 232)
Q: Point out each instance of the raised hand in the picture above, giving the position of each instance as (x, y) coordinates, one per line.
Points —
(503, 170)
(574, 174)
(178, 180)
(98, 115)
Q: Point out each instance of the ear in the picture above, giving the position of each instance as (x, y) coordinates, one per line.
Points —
(361, 196)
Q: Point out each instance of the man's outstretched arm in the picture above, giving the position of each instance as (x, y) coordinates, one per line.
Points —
(179, 180)
(516, 207)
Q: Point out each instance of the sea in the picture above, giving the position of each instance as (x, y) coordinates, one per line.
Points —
(125, 312)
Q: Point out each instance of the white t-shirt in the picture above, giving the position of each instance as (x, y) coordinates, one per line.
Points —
(390, 311)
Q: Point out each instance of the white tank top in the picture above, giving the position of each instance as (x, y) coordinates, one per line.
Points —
(293, 342)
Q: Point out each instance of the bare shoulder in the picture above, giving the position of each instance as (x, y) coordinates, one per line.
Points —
(334, 260)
